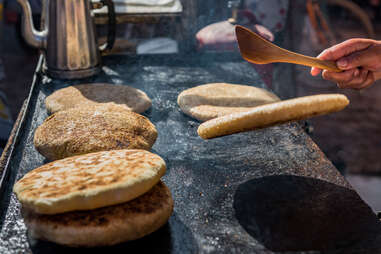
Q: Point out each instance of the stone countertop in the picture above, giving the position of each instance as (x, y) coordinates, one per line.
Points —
(265, 191)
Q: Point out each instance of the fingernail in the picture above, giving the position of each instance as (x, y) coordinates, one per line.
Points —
(342, 63)
(356, 73)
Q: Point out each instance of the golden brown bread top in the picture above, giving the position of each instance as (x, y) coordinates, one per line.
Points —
(91, 129)
(272, 114)
(213, 100)
(98, 93)
(89, 181)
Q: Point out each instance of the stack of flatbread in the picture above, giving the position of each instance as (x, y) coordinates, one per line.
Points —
(103, 186)
(230, 108)
(96, 199)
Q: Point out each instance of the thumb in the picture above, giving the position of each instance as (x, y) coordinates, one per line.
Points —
(363, 58)
(345, 48)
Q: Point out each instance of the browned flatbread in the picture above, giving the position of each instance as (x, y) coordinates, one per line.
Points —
(105, 226)
(89, 181)
(91, 129)
(272, 114)
(213, 100)
(98, 93)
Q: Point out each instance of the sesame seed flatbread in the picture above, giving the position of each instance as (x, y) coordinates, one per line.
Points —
(273, 114)
(213, 100)
(98, 93)
(89, 181)
(91, 129)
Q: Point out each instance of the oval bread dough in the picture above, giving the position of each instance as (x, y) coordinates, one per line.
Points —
(213, 100)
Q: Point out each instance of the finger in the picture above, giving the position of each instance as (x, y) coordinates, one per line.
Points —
(340, 77)
(357, 82)
(376, 75)
(345, 48)
(364, 80)
(315, 71)
(369, 80)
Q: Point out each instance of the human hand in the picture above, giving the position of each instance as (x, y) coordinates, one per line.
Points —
(360, 60)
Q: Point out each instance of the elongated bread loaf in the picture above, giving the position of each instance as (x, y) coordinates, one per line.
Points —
(272, 114)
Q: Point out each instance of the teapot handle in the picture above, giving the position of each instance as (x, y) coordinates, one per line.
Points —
(111, 25)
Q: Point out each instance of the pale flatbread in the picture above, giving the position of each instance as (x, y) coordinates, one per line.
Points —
(209, 101)
(89, 181)
(105, 226)
(98, 93)
(272, 114)
(91, 129)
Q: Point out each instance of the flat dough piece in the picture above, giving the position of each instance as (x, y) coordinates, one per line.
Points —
(273, 114)
(98, 93)
(213, 100)
(89, 181)
(92, 129)
(104, 226)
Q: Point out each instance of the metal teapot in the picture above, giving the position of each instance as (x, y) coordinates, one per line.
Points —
(68, 38)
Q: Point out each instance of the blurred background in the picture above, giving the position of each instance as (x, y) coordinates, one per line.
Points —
(351, 139)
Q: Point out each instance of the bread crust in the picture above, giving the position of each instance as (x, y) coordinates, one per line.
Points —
(91, 129)
(89, 181)
(98, 94)
(213, 100)
(105, 226)
(273, 114)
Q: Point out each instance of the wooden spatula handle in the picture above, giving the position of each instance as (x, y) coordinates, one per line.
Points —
(322, 64)
(327, 65)
(296, 58)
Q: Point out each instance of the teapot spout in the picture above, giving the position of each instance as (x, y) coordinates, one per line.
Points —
(32, 36)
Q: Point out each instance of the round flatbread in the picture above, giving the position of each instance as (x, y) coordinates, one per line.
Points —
(98, 93)
(209, 101)
(105, 226)
(89, 181)
(91, 129)
(272, 114)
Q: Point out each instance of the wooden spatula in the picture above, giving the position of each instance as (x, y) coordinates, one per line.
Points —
(257, 50)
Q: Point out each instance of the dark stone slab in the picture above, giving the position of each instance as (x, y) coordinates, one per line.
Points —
(287, 212)
(267, 191)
